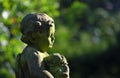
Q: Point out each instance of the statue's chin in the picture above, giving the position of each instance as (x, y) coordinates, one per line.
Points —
(50, 46)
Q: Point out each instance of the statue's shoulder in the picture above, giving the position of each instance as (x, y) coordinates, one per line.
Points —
(28, 50)
(30, 53)
(26, 53)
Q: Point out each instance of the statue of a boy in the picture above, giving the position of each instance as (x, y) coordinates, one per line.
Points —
(34, 62)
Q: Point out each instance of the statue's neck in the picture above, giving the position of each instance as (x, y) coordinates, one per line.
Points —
(38, 49)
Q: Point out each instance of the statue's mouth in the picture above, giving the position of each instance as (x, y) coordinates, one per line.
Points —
(50, 45)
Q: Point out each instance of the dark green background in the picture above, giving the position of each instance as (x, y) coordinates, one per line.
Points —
(87, 33)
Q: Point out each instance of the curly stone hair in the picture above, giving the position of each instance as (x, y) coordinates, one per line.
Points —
(33, 23)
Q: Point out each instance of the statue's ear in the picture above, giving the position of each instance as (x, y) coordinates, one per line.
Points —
(38, 23)
(33, 26)
(38, 26)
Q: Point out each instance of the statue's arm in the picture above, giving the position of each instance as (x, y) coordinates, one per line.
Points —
(36, 68)
(18, 70)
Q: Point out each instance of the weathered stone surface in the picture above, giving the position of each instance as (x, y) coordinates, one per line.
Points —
(34, 62)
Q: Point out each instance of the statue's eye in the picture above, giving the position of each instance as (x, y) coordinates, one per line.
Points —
(50, 23)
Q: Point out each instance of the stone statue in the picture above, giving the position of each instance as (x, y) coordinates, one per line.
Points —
(34, 62)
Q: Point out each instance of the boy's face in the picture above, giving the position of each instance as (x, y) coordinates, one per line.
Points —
(45, 40)
(51, 38)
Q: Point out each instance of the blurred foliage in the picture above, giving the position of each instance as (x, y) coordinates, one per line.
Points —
(87, 33)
